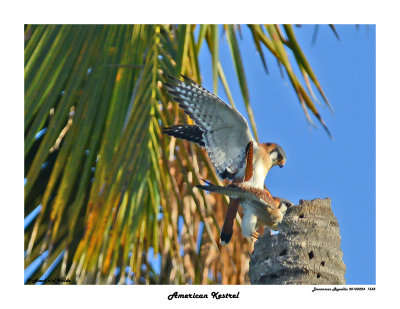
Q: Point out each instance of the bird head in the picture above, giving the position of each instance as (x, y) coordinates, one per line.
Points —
(284, 204)
(276, 153)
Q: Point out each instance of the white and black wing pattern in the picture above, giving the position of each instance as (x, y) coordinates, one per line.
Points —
(226, 133)
(191, 133)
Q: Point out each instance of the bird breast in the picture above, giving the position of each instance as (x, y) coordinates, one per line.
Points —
(261, 166)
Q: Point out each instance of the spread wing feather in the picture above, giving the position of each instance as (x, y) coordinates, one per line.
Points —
(191, 133)
(226, 132)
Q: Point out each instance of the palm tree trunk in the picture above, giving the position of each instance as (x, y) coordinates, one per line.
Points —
(305, 251)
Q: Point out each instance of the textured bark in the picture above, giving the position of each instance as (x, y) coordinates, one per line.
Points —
(306, 249)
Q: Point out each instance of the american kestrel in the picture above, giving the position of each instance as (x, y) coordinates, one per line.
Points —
(259, 207)
(225, 134)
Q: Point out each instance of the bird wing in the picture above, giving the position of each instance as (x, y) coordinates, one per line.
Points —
(254, 195)
(249, 162)
(226, 132)
(191, 133)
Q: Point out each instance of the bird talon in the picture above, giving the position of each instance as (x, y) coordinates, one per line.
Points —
(255, 235)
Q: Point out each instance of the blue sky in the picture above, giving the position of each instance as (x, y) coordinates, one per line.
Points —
(317, 167)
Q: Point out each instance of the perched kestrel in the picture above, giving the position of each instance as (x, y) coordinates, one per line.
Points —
(226, 136)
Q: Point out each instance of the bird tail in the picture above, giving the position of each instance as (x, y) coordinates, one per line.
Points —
(191, 133)
(227, 228)
(234, 193)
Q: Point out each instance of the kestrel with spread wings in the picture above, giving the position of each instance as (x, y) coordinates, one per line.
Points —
(226, 136)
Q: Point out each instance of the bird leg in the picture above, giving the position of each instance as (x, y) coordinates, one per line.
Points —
(253, 238)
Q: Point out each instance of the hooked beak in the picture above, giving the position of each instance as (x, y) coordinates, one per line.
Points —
(281, 165)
